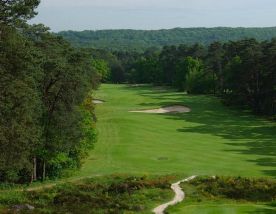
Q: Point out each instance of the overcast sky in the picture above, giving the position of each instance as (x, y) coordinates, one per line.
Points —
(154, 14)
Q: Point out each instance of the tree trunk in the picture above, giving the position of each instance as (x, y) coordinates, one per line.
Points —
(44, 170)
(221, 80)
(32, 178)
(34, 169)
(214, 82)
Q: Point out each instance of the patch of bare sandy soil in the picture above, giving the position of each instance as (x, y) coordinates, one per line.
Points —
(136, 85)
(164, 110)
(96, 101)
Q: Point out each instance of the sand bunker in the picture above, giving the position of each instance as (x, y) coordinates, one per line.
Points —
(136, 85)
(97, 101)
(164, 110)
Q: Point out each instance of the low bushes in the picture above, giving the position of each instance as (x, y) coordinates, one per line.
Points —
(238, 188)
(113, 194)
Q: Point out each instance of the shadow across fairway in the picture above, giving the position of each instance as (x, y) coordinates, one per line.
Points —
(248, 133)
(257, 136)
(258, 143)
(270, 210)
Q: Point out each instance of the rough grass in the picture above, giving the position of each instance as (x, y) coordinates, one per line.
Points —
(228, 195)
(237, 188)
(124, 194)
(112, 194)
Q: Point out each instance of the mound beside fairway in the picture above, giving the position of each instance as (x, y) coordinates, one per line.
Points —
(107, 194)
(164, 110)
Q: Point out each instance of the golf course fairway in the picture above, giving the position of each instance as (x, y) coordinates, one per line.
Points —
(212, 139)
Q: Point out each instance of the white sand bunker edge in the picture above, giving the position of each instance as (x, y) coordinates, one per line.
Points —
(95, 101)
(168, 109)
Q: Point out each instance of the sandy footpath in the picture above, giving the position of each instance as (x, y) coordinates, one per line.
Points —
(179, 196)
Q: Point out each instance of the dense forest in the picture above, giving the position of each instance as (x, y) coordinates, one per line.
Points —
(47, 120)
(140, 40)
(46, 107)
(242, 73)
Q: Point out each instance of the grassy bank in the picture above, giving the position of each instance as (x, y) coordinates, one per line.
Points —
(111, 194)
(132, 194)
(228, 195)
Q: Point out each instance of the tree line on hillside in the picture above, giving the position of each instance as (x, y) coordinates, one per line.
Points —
(46, 108)
(242, 73)
(140, 40)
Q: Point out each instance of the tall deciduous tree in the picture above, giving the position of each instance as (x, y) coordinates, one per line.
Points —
(14, 12)
(19, 104)
(215, 63)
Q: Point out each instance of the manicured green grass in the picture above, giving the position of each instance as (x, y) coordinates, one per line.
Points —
(221, 207)
(210, 140)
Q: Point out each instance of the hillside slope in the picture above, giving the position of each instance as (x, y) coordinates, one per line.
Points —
(142, 39)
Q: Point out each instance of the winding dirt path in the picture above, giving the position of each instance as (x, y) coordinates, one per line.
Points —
(179, 196)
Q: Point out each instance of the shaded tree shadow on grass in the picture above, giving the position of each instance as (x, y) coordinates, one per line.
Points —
(270, 210)
(248, 133)
(258, 137)
(263, 211)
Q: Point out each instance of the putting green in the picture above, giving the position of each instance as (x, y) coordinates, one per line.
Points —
(210, 140)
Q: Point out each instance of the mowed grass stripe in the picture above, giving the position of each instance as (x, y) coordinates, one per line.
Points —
(210, 140)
